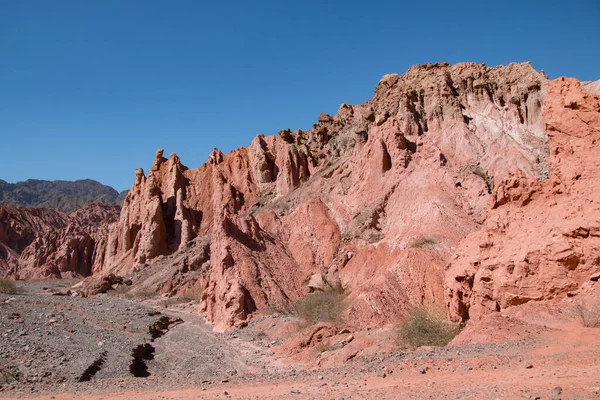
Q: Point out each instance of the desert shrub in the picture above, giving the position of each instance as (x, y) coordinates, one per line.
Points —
(423, 327)
(589, 315)
(321, 306)
(141, 295)
(424, 242)
(193, 295)
(483, 174)
(322, 347)
(261, 335)
(120, 291)
(7, 286)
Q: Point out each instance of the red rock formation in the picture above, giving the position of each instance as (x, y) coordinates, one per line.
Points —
(373, 198)
(541, 239)
(41, 243)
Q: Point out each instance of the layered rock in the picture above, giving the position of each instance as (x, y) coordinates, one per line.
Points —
(374, 198)
(541, 239)
(42, 243)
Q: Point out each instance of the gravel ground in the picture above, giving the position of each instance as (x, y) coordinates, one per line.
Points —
(109, 346)
(48, 340)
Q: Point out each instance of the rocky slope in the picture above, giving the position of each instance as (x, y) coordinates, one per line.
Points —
(373, 199)
(540, 240)
(43, 243)
(64, 196)
(465, 186)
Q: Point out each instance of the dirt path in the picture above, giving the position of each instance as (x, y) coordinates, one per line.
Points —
(192, 349)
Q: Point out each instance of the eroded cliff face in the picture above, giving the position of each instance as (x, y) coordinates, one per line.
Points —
(540, 240)
(374, 198)
(42, 243)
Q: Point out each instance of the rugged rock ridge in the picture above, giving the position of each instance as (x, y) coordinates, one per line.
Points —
(42, 243)
(65, 196)
(540, 240)
(374, 198)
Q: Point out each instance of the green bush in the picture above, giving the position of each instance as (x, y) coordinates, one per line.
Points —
(423, 327)
(326, 306)
(7, 286)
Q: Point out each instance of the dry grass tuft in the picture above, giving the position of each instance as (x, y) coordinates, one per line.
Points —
(8, 287)
(327, 306)
(589, 315)
(423, 327)
(424, 242)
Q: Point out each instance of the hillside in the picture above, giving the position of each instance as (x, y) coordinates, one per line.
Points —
(64, 196)
(374, 200)
(428, 194)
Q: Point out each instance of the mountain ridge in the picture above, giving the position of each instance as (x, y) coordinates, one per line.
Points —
(61, 195)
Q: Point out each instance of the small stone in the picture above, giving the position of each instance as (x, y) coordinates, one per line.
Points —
(423, 370)
(224, 380)
(295, 391)
(382, 375)
(557, 390)
(225, 393)
(529, 366)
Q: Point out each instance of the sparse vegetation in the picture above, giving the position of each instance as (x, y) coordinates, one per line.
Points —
(424, 242)
(424, 327)
(323, 347)
(261, 335)
(589, 315)
(7, 286)
(483, 174)
(142, 295)
(188, 297)
(327, 306)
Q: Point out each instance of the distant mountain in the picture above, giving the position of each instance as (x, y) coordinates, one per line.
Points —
(64, 196)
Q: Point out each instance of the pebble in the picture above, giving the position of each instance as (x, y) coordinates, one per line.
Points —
(557, 390)
(295, 391)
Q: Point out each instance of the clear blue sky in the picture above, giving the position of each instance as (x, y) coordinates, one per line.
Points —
(90, 89)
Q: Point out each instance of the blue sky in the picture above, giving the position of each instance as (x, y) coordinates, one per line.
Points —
(90, 89)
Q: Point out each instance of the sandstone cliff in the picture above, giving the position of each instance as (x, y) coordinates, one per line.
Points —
(374, 199)
(42, 243)
(541, 239)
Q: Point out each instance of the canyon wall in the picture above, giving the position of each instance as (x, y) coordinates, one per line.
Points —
(373, 199)
(541, 239)
(462, 186)
(38, 243)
